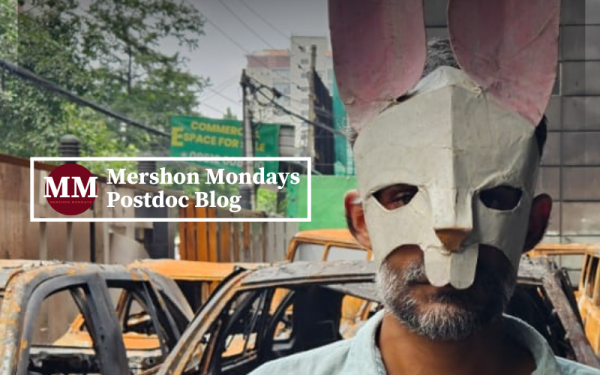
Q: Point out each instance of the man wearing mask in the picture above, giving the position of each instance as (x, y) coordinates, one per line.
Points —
(447, 152)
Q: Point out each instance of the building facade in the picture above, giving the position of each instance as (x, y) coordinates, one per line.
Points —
(288, 72)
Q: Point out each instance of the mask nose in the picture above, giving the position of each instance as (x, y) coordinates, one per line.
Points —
(452, 238)
(452, 216)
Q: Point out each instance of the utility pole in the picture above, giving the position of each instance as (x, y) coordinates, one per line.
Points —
(252, 142)
(70, 146)
(312, 97)
(247, 191)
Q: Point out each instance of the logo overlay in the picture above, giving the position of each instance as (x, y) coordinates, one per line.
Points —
(70, 189)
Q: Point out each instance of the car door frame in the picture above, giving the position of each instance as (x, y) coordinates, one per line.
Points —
(99, 315)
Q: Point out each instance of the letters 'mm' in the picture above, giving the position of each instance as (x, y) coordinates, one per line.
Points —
(64, 183)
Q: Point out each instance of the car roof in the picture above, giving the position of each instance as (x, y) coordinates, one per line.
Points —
(303, 271)
(188, 270)
(11, 267)
(36, 269)
(564, 249)
(534, 268)
(328, 235)
(316, 271)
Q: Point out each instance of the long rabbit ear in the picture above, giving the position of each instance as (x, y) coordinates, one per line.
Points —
(379, 51)
(510, 48)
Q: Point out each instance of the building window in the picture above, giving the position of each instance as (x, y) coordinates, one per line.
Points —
(304, 61)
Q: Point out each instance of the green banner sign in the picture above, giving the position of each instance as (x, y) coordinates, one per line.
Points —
(207, 137)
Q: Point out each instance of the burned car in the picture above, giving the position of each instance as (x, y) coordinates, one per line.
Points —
(40, 300)
(196, 280)
(257, 316)
(326, 245)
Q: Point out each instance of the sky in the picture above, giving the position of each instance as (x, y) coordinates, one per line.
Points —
(221, 52)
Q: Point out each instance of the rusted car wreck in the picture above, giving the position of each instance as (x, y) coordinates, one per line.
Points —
(40, 299)
(253, 316)
(258, 316)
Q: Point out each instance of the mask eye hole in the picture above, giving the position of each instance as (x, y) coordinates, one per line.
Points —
(396, 196)
(501, 198)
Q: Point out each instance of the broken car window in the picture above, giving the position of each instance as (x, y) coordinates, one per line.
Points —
(53, 350)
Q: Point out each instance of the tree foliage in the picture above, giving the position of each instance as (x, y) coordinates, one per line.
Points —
(266, 200)
(86, 125)
(8, 44)
(112, 52)
(8, 29)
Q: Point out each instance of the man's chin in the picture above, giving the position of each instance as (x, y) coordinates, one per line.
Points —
(442, 313)
(445, 304)
(440, 320)
(448, 308)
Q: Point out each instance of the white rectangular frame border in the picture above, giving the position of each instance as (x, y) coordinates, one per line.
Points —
(175, 220)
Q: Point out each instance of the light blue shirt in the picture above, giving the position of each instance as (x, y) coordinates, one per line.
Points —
(360, 355)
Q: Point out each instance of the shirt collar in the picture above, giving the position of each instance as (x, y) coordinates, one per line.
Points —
(529, 338)
(364, 356)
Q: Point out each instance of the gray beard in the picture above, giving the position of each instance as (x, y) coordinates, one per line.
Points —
(453, 317)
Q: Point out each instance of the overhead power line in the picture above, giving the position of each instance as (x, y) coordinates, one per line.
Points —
(245, 24)
(55, 89)
(222, 86)
(225, 34)
(264, 20)
(300, 117)
(241, 47)
(213, 108)
(285, 110)
(324, 112)
(256, 87)
(268, 23)
(223, 96)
